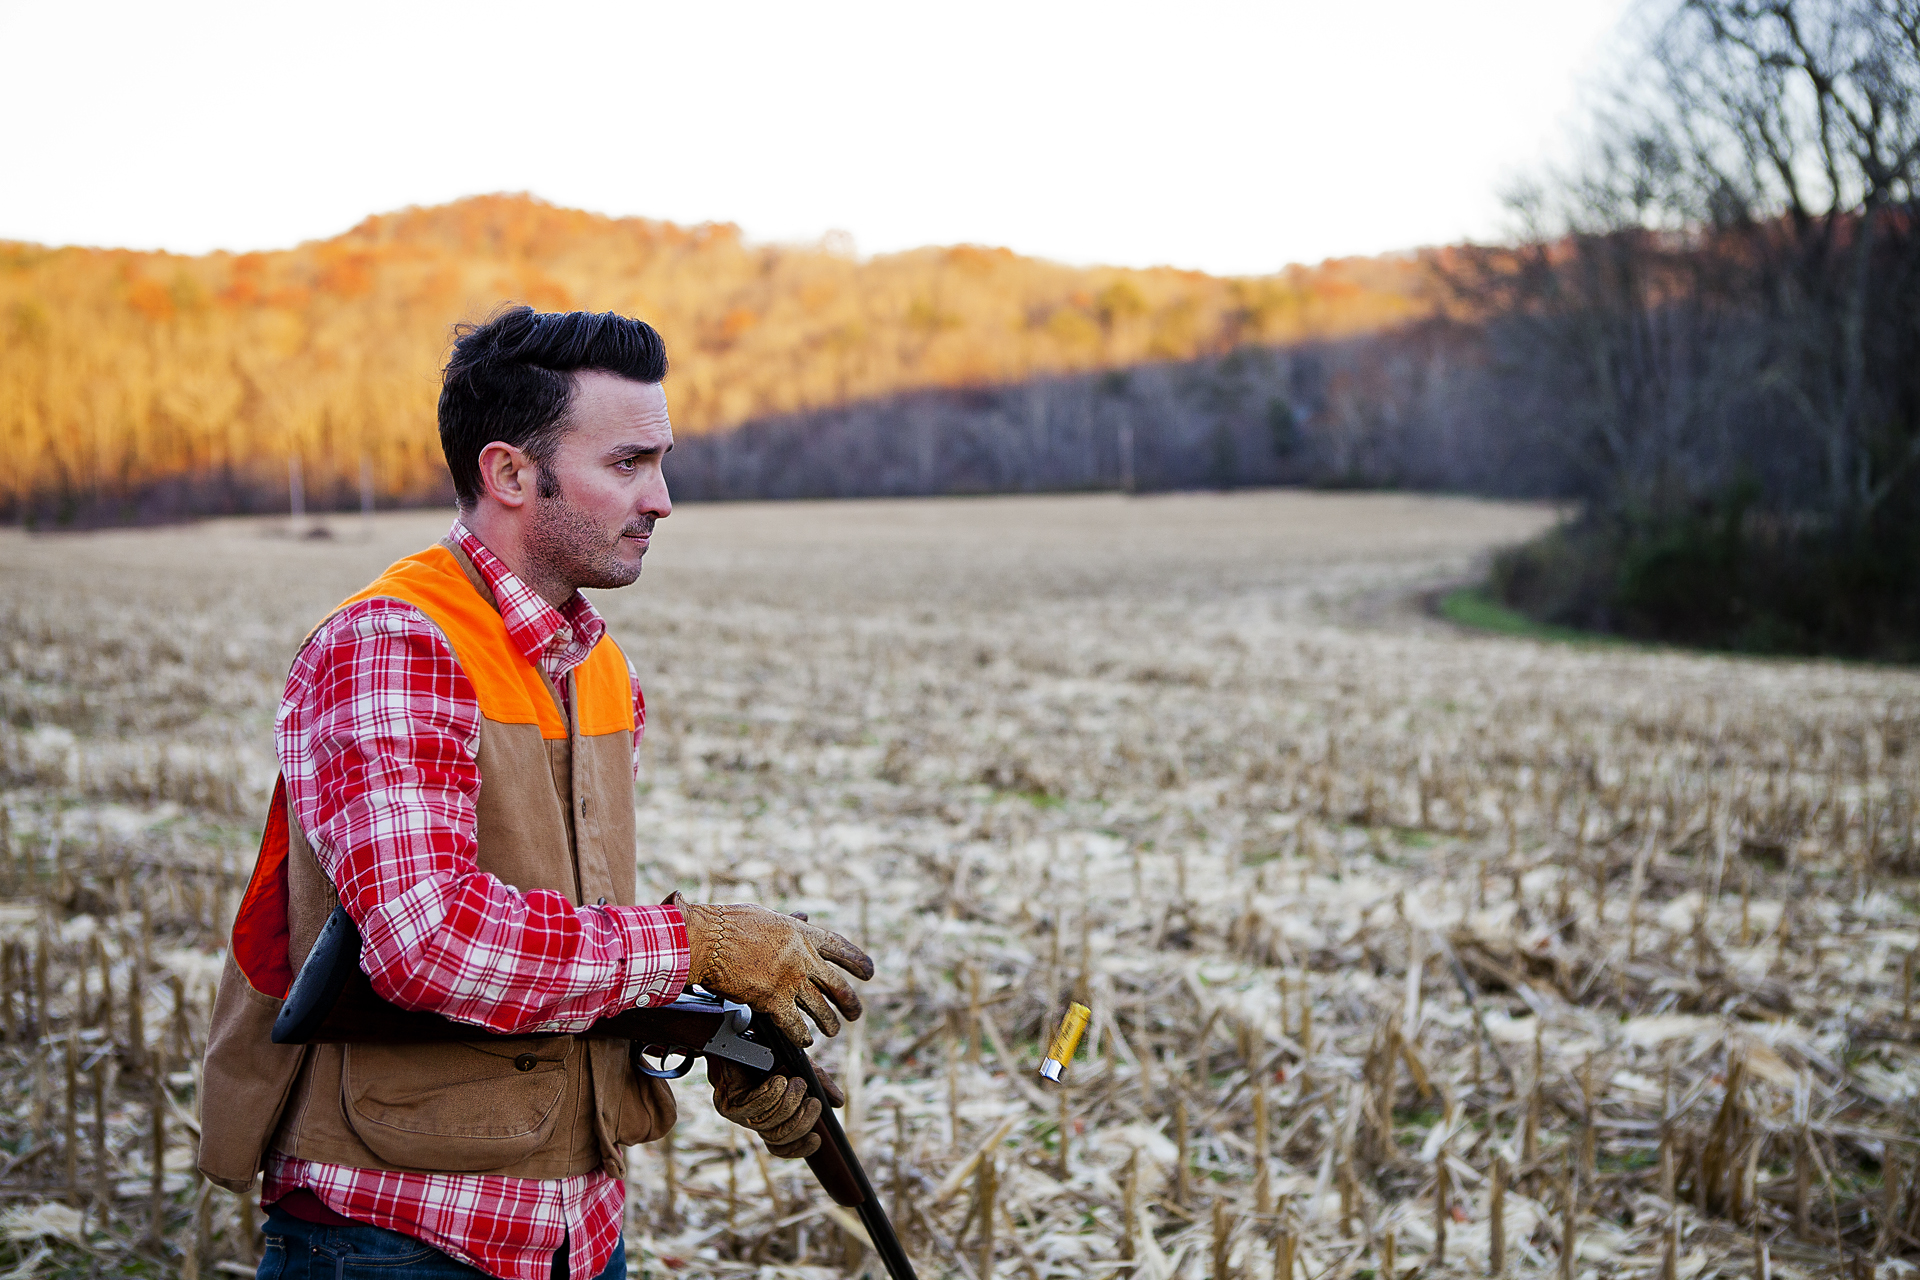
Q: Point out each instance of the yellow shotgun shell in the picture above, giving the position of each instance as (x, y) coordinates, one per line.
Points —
(1065, 1041)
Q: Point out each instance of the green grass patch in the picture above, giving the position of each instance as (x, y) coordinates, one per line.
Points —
(1632, 1161)
(1038, 799)
(1472, 607)
(1418, 1121)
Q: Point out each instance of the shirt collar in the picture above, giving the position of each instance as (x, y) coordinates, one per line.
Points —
(531, 622)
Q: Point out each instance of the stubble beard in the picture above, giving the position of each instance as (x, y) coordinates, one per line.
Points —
(577, 547)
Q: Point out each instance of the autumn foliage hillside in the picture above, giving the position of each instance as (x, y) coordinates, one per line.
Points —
(149, 383)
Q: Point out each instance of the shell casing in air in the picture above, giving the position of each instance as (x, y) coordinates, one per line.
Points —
(1065, 1041)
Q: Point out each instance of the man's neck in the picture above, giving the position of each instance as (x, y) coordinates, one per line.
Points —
(501, 534)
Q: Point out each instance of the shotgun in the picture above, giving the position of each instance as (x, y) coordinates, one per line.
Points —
(332, 1002)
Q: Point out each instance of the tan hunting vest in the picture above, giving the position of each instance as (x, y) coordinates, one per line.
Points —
(555, 811)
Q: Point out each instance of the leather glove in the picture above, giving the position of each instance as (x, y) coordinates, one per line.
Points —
(778, 965)
(778, 1108)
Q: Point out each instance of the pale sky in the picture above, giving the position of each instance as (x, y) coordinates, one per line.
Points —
(1226, 137)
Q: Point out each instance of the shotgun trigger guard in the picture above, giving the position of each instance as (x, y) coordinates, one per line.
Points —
(730, 1043)
(675, 1060)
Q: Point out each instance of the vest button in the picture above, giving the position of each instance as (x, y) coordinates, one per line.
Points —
(525, 1062)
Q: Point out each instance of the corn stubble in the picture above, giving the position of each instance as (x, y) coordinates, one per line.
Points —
(1394, 936)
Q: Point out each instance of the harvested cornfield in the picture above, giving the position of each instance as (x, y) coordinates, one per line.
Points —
(1407, 949)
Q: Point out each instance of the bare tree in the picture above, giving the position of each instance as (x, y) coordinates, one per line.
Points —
(1801, 121)
(1715, 313)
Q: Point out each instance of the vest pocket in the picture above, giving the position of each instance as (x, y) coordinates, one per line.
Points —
(456, 1108)
(633, 1108)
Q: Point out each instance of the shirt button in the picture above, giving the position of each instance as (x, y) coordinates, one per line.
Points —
(525, 1062)
(602, 902)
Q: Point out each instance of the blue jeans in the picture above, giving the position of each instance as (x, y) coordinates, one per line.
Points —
(299, 1250)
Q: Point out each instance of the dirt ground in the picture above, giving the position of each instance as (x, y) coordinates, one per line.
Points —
(1373, 915)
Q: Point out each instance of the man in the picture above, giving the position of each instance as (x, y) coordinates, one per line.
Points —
(457, 749)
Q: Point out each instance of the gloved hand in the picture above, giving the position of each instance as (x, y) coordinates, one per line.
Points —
(778, 1108)
(779, 965)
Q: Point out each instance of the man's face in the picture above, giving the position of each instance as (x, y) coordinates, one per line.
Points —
(594, 530)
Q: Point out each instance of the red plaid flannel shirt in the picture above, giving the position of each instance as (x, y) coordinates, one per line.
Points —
(378, 736)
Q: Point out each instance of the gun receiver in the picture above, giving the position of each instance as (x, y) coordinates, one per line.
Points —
(331, 1002)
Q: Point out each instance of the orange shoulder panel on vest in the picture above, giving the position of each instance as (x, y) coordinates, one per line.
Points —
(508, 687)
(605, 690)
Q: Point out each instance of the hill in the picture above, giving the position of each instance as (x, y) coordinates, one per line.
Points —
(137, 384)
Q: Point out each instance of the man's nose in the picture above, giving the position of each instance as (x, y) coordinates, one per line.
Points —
(656, 501)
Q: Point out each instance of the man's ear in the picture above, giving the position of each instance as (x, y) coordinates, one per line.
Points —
(506, 474)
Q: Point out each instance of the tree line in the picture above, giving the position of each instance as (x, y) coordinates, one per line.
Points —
(1405, 409)
(137, 386)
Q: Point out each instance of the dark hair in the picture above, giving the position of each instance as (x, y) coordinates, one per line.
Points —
(511, 379)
